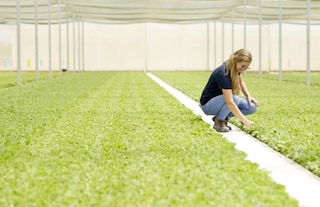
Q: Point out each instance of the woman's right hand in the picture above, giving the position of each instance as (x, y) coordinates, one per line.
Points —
(248, 123)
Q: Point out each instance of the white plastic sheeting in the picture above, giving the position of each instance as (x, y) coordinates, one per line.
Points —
(160, 11)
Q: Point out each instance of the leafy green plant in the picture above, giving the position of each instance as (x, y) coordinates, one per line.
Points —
(9, 79)
(288, 118)
(118, 139)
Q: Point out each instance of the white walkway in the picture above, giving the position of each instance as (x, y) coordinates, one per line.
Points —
(299, 182)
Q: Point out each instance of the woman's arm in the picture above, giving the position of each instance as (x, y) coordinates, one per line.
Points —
(245, 92)
(228, 97)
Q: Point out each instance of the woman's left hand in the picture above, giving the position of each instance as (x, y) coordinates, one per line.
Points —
(252, 100)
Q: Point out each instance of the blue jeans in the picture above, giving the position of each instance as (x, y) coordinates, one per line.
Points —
(217, 106)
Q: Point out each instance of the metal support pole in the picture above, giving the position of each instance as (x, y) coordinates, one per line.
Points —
(280, 40)
(215, 43)
(49, 39)
(232, 31)
(222, 44)
(74, 43)
(308, 41)
(82, 46)
(269, 50)
(79, 47)
(60, 55)
(146, 47)
(68, 58)
(18, 43)
(260, 37)
(208, 46)
(244, 24)
(36, 39)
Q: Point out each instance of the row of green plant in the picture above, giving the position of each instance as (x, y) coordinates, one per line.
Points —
(118, 139)
(10, 78)
(288, 118)
(296, 77)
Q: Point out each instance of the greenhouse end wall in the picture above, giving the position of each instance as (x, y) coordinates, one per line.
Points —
(152, 46)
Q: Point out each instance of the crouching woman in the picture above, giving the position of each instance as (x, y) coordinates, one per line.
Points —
(226, 94)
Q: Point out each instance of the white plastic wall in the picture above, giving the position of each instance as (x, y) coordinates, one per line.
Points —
(151, 46)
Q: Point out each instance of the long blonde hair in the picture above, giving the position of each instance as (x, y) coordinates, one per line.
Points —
(241, 55)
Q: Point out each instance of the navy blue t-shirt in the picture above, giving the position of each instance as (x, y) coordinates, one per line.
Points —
(219, 79)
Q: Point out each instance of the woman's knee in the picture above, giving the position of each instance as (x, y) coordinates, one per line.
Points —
(253, 108)
(236, 99)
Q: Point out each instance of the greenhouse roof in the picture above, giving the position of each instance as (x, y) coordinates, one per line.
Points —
(160, 11)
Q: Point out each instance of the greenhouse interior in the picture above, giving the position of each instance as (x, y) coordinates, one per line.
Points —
(102, 103)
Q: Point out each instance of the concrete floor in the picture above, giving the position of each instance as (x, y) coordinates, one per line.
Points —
(300, 183)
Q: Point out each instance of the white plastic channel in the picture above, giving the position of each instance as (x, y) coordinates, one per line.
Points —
(299, 182)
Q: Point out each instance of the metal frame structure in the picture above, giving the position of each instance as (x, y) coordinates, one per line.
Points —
(143, 11)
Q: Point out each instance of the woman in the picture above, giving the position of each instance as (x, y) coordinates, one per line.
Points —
(223, 96)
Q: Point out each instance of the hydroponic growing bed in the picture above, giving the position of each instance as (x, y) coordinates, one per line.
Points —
(118, 139)
(288, 119)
